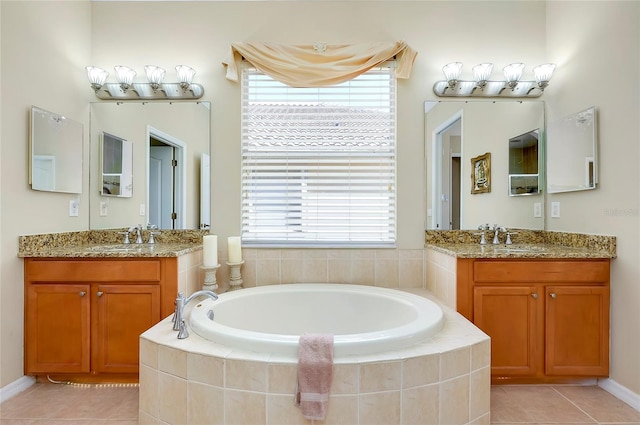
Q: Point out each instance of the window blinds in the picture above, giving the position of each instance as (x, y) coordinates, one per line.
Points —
(318, 164)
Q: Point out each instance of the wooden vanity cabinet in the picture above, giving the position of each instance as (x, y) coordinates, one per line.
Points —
(84, 316)
(548, 319)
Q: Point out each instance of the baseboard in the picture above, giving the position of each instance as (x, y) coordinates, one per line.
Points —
(623, 393)
(16, 387)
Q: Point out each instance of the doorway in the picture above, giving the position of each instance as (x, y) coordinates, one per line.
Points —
(447, 171)
(166, 180)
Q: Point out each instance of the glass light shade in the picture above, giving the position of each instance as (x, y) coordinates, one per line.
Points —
(543, 73)
(482, 72)
(452, 72)
(155, 75)
(185, 75)
(512, 73)
(97, 76)
(125, 76)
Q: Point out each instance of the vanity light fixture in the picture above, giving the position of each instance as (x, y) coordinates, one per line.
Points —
(155, 88)
(482, 86)
(155, 75)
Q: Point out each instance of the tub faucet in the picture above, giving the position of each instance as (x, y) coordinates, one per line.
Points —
(178, 317)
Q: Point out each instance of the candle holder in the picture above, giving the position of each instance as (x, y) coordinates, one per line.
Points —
(210, 281)
(235, 278)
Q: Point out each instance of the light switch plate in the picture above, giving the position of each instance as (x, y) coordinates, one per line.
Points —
(104, 209)
(74, 207)
(555, 210)
(142, 209)
(537, 209)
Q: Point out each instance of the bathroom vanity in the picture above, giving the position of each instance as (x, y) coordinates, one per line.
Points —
(85, 308)
(544, 305)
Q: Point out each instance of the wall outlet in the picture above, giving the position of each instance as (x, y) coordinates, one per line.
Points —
(142, 209)
(555, 210)
(74, 207)
(104, 208)
(537, 209)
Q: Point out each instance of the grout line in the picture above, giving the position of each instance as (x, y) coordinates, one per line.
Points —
(572, 402)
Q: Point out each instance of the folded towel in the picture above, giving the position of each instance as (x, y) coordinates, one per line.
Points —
(315, 371)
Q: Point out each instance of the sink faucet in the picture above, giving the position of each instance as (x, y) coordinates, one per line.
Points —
(482, 227)
(496, 230)
(138, 230)
(178, 316)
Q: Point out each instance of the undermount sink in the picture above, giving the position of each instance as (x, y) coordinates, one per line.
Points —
(519, 248)
(119, 248)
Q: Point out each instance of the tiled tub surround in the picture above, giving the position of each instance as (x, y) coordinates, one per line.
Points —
(194, 381)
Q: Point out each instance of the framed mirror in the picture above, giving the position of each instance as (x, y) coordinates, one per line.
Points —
(56, 149)
(456, 132)
(116, 166)
(168, 140)
(524, 164)
(572, 152)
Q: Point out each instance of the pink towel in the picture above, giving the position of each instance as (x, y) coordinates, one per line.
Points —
(315, 371)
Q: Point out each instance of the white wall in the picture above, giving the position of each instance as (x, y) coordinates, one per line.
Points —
(45, 46)
(596, 46)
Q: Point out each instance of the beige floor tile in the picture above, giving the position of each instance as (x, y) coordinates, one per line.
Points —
(543, 404)
(599, 404)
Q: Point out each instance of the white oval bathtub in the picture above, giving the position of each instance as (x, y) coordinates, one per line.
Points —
(363, 319)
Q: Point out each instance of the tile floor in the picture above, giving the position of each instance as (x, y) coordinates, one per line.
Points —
(50, 404)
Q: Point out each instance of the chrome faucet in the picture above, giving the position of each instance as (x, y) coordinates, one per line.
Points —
(178, 317)
(496, 230)
(138, 232)
(483, 239)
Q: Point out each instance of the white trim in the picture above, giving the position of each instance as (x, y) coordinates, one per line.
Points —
(621, 392)
(16, 387)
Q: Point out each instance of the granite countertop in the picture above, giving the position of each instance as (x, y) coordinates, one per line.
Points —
(530, 244)
(108, 244)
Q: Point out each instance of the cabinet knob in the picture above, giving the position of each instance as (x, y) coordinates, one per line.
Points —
(534, 296)
(99, 293)
(552, 295)
(82, 293)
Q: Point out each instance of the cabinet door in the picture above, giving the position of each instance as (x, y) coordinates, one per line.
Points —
(122, 313)
(57, 329)
(510, 316)
(577, 330)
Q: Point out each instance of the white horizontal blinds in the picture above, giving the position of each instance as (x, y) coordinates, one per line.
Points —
(318, 164)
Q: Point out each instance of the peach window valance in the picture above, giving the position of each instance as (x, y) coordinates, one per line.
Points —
(318, 64)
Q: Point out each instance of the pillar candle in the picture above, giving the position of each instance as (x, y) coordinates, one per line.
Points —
(210, 250)
(235, 251)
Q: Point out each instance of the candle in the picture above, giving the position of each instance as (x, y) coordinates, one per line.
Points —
(210, 250)
(235, 251)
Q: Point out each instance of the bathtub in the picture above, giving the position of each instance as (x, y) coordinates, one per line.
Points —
(363, 319)
(444, 378)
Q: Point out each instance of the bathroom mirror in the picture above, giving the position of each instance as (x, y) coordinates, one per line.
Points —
(168, 141)
(524, 160)
(55, 152)
(456, 132)
(572, 152)
(116, 166)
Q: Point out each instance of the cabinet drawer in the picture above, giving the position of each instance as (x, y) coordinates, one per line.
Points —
(92, 271)
(541, 271)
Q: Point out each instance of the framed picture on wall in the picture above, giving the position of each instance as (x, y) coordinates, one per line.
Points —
(481, 174)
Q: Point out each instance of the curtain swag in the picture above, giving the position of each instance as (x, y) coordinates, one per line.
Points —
(318, 64)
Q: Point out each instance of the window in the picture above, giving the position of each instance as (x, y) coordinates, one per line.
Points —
(318, 164)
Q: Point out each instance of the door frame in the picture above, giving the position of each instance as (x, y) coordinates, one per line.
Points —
(436, 171)
(180, 187)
